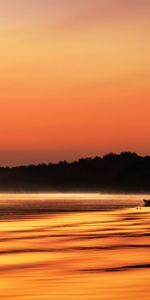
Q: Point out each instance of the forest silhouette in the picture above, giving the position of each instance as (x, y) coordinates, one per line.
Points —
(125, 172)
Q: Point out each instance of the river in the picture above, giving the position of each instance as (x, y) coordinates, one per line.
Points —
(74, 246)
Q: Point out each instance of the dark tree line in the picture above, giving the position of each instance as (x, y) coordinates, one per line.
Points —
(125, 172)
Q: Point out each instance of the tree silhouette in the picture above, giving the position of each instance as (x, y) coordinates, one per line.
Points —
(125, 172)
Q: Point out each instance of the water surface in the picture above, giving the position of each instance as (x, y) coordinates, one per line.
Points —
(74, 246)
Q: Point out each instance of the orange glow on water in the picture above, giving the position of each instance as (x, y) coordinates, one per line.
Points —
(85, 255)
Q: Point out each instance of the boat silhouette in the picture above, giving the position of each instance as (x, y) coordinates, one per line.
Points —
(147, 202)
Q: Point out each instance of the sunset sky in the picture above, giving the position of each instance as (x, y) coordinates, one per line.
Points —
(74, 79)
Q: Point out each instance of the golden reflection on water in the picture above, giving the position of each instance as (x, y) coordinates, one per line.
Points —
(73, 254)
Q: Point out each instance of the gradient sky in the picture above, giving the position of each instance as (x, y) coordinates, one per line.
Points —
(74, 79)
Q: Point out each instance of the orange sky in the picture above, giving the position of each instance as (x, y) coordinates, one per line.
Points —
(74, 79)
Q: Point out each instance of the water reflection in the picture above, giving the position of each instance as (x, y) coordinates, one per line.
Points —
(62, 252)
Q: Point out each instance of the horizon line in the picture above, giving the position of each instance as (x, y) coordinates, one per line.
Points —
(73, 161)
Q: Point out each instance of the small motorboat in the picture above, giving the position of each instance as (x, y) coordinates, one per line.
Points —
(147, 202)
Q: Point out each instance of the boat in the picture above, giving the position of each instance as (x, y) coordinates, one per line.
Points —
(147, 202)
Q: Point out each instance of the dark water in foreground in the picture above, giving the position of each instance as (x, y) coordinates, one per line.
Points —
(75, 246)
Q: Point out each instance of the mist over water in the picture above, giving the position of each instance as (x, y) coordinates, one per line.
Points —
(74, 246)
(20, 204)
